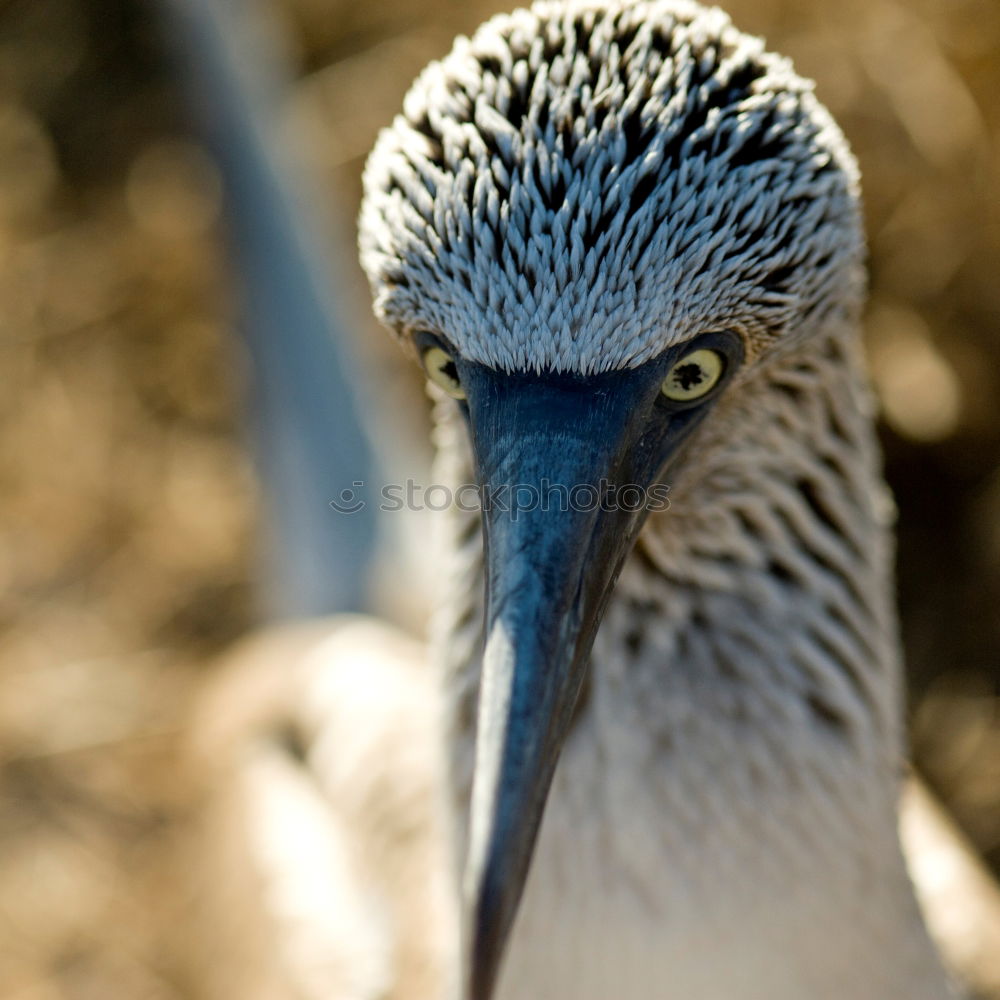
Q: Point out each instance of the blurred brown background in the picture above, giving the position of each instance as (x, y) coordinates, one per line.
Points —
(128, 505)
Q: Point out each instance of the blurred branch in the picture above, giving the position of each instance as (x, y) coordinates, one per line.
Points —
(308, 429)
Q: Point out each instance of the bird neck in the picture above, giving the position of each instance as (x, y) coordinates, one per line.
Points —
(751, 643)
(745, 687)
(767, 583)
(766, 586)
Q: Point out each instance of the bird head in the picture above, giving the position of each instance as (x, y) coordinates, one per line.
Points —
(591, 223)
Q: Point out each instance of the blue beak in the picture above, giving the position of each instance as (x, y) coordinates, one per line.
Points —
(554, 453)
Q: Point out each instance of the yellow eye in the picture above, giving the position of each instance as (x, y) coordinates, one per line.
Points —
(693, 376)
(441, 370)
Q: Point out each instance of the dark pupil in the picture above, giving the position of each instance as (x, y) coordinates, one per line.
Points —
(689, 375)
(449, 371)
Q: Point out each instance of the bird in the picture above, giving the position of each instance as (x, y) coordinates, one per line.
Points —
(656, 747)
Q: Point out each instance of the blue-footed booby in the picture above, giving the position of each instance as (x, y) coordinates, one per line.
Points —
(661, 749)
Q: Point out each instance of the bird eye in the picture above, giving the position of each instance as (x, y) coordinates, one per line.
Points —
(693, 376)
(441, 370)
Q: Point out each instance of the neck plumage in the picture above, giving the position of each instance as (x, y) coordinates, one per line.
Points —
(744, 703)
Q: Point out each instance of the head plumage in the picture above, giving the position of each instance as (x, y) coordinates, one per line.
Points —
(584, 183)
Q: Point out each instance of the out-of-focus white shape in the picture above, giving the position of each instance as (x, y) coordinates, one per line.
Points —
(960, 899)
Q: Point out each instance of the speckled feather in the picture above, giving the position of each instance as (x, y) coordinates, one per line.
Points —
(580, 185)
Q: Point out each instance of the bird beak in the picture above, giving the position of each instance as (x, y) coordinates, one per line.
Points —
(552, 561)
